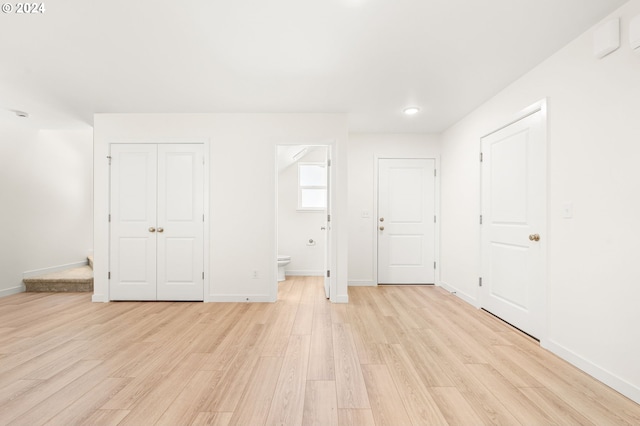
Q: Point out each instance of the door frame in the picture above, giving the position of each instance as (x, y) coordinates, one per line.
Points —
(542, 107)
(206, 206)
(330, 243)
(374, 228)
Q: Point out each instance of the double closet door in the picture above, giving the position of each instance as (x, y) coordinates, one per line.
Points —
(157, 222)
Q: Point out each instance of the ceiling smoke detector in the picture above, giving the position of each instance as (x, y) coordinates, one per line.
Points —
(22, 114)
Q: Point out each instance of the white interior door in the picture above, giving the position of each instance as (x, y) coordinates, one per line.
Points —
(513, 223)
(133, 222)
(406, 221)
(157, 228)
(327, 226)
(180, 222)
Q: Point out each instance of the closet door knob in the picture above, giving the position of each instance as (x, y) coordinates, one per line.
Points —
(160, 229)
(382, 228)
(152, 229)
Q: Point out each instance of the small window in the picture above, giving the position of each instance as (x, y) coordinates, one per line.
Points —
(312, 186)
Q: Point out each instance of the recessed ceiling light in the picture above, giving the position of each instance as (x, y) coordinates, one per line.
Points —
(22, 114)
(411, 110)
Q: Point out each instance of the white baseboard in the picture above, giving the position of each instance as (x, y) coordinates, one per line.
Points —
(12, 290)
(361, 283)
(239, 298)
(461, 294)
(36, 272)
(99, 298)
(341, 298)
(625, 388)
(304, 272)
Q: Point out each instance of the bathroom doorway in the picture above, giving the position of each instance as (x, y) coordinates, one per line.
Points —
(303, 211)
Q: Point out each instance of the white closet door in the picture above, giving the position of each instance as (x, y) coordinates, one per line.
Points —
(180, 222)
(133, 222)
(157, 222)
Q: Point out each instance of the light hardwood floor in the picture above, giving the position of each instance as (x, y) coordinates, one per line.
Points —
(392, 356)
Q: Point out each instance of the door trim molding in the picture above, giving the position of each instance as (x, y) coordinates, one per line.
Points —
(374, 228)
(542, 107)
(330, 145)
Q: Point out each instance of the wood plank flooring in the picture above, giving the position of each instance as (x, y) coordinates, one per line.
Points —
(392, 356)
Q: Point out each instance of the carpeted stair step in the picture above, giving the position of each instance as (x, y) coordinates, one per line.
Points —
(70, 280)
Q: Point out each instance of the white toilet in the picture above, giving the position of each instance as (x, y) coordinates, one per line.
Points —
(282, 262)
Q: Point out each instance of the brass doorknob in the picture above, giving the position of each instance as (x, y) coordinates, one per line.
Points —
(534, 237)
(160, 229)
(382, 219)
(382, 228)
(152, 229)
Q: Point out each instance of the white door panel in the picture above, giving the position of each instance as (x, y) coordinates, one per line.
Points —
(133, 207)
(514, 208)
(327, 227)
(157, 227)
(406, 229)
(180, 209)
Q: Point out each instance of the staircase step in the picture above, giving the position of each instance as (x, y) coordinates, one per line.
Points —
(69, 280)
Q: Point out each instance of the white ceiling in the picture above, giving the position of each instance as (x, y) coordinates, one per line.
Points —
(367, 58)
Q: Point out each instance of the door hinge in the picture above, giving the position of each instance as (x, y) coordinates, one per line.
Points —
(203, 218)
(203, 275)
(434, 265)
(480, 219)
(328, 273)
(109, 217)
(328, 218)
(480, 282)
(109, 157)
(329, 162)
(481, 159)
(434, 219)
(435, 173)
(109, 275)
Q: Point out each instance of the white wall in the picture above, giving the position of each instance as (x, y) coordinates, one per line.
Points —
(593, 150)
(296, 228)
(242, 182)
(45, 199)
(363, 151)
